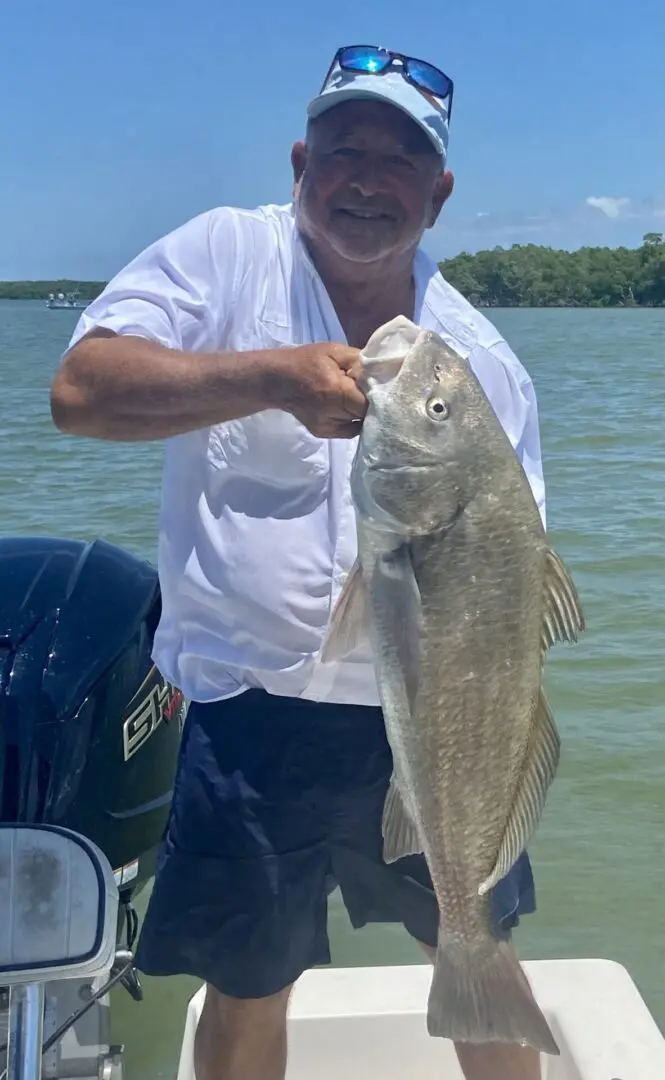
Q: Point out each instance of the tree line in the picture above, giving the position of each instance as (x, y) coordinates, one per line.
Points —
(39, 290)
(525, 275)
(528, 275)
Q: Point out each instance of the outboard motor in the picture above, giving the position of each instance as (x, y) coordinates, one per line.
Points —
(89, 740)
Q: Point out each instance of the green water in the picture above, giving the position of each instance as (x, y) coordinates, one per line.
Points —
(598, 856)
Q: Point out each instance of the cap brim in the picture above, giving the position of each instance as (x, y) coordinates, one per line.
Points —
(329, 99)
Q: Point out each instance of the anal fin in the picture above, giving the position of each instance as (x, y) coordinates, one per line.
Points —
(400, 835)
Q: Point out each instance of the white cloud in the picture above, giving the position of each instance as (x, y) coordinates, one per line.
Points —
(594, 221)
(608, 205)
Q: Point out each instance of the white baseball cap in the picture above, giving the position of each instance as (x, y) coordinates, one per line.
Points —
(429, 112)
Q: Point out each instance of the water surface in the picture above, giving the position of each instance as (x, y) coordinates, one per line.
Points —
(598, 854)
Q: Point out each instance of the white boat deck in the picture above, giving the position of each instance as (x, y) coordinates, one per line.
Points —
(369, 1024)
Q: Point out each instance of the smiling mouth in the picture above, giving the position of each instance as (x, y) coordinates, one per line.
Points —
(363, 215)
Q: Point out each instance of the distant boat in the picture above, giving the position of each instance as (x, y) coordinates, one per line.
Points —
(70, 301)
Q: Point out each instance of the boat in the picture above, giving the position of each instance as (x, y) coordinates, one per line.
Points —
(66, 301)
(369, 1024)
(89, 741)
(82, 813)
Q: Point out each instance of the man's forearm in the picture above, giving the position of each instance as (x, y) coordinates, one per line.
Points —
(128, 389)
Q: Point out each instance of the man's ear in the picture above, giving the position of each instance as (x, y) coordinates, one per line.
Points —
(298, 162)
(443, 189)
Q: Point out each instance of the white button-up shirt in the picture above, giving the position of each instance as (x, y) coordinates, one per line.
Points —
(257, 529)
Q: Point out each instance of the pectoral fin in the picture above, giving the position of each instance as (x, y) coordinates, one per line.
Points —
(397, 607)
(396, 598)
(349, 625)
(539, 772)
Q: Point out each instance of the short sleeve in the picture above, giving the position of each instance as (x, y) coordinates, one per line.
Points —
(513, 398)
(178, 292)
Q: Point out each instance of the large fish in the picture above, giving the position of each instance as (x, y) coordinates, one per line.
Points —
(461, 596)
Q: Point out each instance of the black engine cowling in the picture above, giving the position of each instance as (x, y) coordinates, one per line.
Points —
(89, 730)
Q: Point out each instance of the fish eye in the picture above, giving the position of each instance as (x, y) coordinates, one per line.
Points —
(436, 408)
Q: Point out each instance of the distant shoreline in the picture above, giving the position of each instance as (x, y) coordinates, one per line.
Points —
(39, 290)
(478, 304)
(481, 306)
(522, 276)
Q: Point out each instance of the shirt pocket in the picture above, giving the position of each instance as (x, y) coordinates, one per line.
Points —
(272, 447)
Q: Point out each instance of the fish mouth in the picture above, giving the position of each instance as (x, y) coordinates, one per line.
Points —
(392, 469)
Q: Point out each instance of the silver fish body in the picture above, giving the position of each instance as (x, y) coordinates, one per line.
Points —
(461, 597)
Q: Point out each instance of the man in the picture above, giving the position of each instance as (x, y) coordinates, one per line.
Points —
(236, 339)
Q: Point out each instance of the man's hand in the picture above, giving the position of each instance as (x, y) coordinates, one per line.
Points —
(126, 388)
(317, 385)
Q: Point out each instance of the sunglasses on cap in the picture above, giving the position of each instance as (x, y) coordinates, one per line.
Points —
(372, 60)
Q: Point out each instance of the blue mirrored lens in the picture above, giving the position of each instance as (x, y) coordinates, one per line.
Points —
(364, 58)
(430, 78)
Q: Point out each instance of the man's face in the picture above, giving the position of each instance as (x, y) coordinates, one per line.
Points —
(368, 183)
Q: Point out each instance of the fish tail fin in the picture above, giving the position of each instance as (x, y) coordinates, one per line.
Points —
(482, 995)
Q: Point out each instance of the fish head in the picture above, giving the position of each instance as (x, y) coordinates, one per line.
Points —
(417, 457)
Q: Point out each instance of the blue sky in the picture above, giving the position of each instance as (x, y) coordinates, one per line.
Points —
(120, 121)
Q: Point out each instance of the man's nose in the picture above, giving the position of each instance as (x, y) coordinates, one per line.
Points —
(368, 178)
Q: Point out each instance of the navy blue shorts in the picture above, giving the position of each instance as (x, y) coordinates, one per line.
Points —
(276, 802)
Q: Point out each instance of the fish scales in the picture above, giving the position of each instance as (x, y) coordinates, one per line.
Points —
(461, 596)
